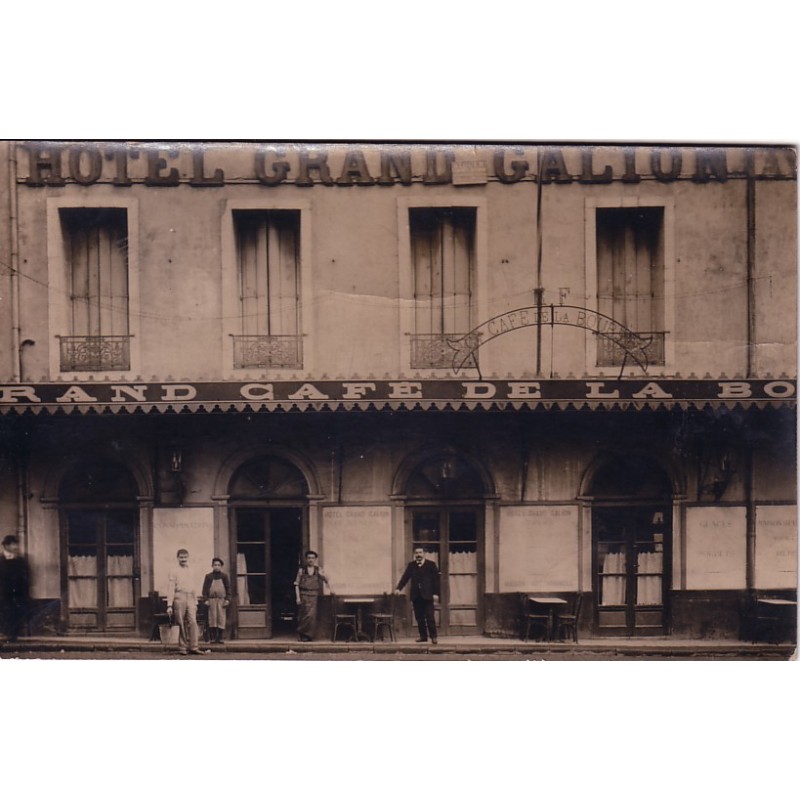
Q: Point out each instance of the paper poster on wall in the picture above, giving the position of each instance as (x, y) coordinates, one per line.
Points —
(538, 549)
(776, 547)
(716, 547)
(357, 549)
(173, 528)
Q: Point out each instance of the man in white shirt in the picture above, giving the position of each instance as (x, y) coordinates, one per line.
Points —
(182, 603)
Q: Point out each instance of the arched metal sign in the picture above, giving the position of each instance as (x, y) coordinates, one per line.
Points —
(633, 344)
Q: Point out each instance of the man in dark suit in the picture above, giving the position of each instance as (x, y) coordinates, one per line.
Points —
(14, 588)
(424, 577)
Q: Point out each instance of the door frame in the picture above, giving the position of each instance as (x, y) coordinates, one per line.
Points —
(444, 509)
(102, 587)
(630, 628)
(264, 507)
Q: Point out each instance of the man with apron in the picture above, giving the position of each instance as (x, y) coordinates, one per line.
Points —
(308, 587)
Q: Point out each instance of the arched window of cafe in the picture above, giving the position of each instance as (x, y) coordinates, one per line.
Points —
(268, 478)
(630, 476)
(445, 476)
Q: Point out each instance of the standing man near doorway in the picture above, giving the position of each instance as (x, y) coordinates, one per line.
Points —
(182, 602)
(425, 580)
(14, 588)
(308, 588)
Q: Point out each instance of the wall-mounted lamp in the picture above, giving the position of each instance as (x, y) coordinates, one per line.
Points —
(716, 475)
(448, 470)
(176, 459)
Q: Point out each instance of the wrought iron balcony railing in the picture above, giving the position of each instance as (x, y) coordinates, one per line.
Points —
(284, 351)
(84, 353)
(614, 348)
(444, 351)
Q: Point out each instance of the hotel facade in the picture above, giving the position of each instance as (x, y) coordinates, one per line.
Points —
(561, 370)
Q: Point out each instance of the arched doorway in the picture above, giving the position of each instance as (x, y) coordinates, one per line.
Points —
(269, 524)
(445, 516)
(99, 546)
(631, 547)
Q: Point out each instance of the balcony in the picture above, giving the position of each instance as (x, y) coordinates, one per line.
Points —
(444, 351)
(94, 353)
(285, 352)
(615, 348)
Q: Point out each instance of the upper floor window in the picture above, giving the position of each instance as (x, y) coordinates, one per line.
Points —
(630, 279)
(268, 268)
(96, 259)
(443, 265)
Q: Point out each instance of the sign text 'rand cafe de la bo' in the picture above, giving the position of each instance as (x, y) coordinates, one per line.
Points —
(366, 392)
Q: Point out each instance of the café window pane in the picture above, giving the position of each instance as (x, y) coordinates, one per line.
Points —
(427, 535)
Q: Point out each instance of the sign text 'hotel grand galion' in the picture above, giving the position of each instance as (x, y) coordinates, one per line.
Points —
(44, 164)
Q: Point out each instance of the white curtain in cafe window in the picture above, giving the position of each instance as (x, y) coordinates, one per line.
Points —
(648, 587)
(463, 579)
(120, 589)
(241, 585)
(82, 573)
(612, 587)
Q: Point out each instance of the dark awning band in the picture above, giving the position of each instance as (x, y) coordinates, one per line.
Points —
(392, 395)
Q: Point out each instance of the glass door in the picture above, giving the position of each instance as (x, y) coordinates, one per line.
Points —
(252, 574)
(462, 572)
(101, 569)
(630, 569)
(450, 538)
(268, 546)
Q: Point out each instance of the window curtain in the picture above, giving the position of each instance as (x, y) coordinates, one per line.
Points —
(241, 585)
(98, 268)
(612, 587)
(630, 279)
(120, 589)
(648, 587)
(269, 277)
(442, 254)
(82, 573)
(463, 578)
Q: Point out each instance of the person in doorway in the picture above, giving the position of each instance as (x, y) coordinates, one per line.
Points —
(425, 580)
(217, 596)
(308, 588)
(14, 589)
(182, 604)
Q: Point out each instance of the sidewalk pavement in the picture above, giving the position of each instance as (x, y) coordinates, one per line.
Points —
(471, 647)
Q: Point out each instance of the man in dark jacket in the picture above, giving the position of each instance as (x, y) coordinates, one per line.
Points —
(14, 588)
(424, 577)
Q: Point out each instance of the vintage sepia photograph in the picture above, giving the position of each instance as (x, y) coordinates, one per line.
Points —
(399, 400)
(328, 400)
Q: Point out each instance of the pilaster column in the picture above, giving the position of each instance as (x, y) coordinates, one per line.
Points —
(316, 537)
(222, 538)
(146, 556)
